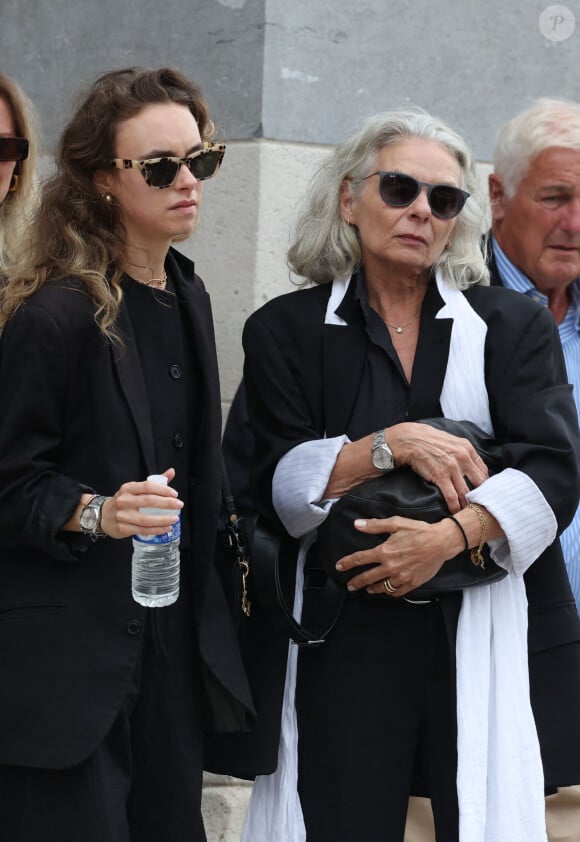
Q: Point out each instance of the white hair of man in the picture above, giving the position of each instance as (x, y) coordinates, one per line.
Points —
(548, 123)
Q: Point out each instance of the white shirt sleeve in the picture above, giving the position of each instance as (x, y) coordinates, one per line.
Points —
(300, 478)
(522, 511)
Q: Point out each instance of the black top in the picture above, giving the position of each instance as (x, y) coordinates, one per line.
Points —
(385, 395)
(171, 372)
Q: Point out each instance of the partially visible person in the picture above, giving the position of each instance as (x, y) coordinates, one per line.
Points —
(534, 248)
(399, 326)
(108, 373)
(535, 236)
(18, 150)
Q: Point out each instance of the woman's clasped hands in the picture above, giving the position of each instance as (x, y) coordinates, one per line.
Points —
(414, 550)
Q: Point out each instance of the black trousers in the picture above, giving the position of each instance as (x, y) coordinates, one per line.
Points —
(376, 715)
(143, 783)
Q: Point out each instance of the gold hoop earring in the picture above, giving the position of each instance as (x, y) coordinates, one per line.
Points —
(14, 183)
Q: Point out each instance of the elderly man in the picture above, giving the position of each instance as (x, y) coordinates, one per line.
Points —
(535, 243)
(534, 249)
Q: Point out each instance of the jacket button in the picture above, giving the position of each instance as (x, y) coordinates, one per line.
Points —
(134, 626)
(178, 440)
(175, 371)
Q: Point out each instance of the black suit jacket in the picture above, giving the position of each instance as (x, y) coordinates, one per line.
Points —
(75, 416)
(494, 276)
(302, 379)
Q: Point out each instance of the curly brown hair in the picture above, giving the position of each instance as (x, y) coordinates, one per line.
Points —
(74, 232)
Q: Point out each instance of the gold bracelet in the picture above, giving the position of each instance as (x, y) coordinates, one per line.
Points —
(475, 554)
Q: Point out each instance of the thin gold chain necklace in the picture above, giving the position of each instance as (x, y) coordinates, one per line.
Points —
(157, 283)
(401, 328)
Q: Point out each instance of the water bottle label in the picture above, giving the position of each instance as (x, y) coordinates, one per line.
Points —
(174, 534)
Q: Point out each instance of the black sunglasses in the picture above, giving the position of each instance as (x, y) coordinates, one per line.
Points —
(13, 148)
(162, 172)
(399, 190)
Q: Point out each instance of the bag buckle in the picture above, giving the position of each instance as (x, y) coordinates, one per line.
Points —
(233, 542)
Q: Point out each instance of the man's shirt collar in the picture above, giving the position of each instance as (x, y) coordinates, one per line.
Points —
(514, 278)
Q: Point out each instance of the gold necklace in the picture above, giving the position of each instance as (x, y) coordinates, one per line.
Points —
(157, 283)
(401, 328)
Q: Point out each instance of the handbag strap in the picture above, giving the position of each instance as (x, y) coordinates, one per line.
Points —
(234, 538)
(272, 556)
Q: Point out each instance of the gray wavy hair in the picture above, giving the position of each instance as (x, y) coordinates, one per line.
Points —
(547, 123)
(325, 246)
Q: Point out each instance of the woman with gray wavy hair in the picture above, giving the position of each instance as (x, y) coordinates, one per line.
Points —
(407, 696)
(324, 247)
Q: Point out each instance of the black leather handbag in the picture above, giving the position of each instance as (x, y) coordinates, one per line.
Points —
(404, 493)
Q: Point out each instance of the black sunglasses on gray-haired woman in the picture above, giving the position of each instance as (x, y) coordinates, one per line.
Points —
(399, 190)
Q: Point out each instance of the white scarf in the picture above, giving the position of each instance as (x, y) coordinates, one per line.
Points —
(500, 780)
(499, 774)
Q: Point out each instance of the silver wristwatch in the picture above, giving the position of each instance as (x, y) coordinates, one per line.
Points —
(381, 454)
(90, 517)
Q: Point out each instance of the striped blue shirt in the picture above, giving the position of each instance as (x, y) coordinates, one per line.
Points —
(569, 329)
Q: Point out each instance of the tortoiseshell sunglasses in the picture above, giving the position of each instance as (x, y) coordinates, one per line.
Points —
(162, 172)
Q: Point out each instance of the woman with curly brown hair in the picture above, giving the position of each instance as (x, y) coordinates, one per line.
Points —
(108, 374)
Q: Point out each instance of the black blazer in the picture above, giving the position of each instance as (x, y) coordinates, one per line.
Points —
(494, 276)
(75, 416)
(302, 382)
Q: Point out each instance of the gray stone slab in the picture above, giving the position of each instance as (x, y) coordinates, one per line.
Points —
(55, 48)
(329, 64)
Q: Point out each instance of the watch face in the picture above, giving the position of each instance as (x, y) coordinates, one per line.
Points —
(89, 518)
(382, 458)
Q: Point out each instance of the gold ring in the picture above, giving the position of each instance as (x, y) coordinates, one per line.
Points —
(388, 585)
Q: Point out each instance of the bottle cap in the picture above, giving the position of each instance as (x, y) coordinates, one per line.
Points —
(161, 479)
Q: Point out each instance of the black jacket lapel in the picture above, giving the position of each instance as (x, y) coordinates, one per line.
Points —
(344, 356)
(198, 316)
(128, 366)
(431, 358)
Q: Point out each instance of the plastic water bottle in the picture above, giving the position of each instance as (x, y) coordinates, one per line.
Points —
(155, 568)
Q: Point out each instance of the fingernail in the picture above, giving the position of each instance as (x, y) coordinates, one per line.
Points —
(350, 587)
(360, 522)
(339, 565)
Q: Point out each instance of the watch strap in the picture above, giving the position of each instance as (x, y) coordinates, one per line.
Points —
(96, 503)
